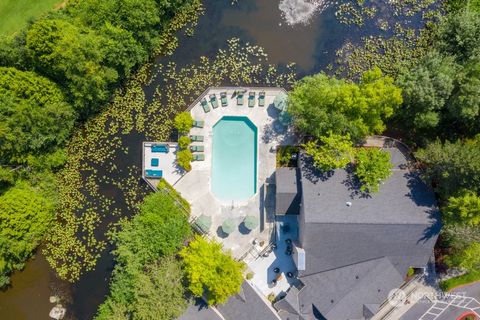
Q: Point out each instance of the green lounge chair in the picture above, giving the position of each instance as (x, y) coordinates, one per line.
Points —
(199, 157)
(223, 99)
(205, 106)
(196, 138)
(239, 98)
(197, 148)
(198, 123)
(213, 101)
(261, 99)
(251, 99)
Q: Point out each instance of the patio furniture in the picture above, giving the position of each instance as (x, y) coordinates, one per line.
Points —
(205, 106)
(289, 250)
(250, 222)
(154, 162)
(160, 148)
(204, 223)
(199, 157)
(239, 98)
(198, 123)
(274, 246)
(197, 148)
(228, 226)
(153, 173)
(276, 270)
(274, 282)
(196, 138)
(213, 101)
(251, 99)
(288, 241)
(223, 99)
(290, 274)
(261, 99)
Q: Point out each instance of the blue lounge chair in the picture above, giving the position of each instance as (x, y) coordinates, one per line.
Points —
(199, 157)
(198, 123)
(162, 148)
(196, 138)
(213, 101)
(153, 173)
(154, 162)
(223, 99)
(205, 106)
(239, 98)
(251, 99)
(261, 99)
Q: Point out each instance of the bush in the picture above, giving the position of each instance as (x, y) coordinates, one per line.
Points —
(249, 276)
(211, 272)
(452, 283)
(335, 151)
(320, 104)
(284, 156)
(183, 122)
(184, 158)
(184, 142)
(372, 166)
(147, 279)
(25, 215)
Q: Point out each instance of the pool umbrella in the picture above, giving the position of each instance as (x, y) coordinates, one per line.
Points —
(228, 226)
(280, 101)
(204, 222)
(250, 222)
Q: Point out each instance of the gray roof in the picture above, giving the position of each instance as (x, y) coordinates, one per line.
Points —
(288, 191)
(199, 310)
(247, 305)
(356, 254)
(350, 292)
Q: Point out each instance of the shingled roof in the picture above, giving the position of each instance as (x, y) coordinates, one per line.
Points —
(359, 246)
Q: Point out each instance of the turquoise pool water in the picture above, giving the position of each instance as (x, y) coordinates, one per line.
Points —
(234, 159)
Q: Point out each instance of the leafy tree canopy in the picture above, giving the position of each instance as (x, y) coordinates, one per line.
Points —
(34, 117)
(320, 104)
(372, 167)
(334, 151)
(452, 167)
(210, 271)
(464, 209)
(183, 122)
(25, 214)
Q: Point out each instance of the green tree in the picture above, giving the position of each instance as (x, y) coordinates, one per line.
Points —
(184, 142)
(467, 259)
(25, 215)
(147, 279)
(459, 35)
(464, 209)
(334, 151)
(372, 167)
(211, 272)
(184, 159)
(73, 56)
(183, 122)
(34, 117)
(452, 166)
(320, 104)
(426, 89)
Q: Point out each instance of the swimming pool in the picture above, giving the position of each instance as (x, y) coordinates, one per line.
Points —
(234, 159)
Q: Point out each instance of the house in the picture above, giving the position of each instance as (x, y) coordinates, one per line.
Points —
(354, 248)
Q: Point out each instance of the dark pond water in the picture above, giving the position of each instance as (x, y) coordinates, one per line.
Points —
(311, 46)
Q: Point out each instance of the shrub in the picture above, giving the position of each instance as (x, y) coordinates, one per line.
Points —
(372, 166)
(211, 272)
(183, 122)
(249, 276)
(184, 157)
(184, 142)
(334, 151)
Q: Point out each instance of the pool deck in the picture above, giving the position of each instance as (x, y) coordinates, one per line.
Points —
(195, 186)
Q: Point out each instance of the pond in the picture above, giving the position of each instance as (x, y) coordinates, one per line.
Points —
(311, 46)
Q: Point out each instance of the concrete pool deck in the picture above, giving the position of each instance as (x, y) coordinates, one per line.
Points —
(195, 186)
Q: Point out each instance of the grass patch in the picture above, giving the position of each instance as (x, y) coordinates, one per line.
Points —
(467, 278)
(15, 13)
